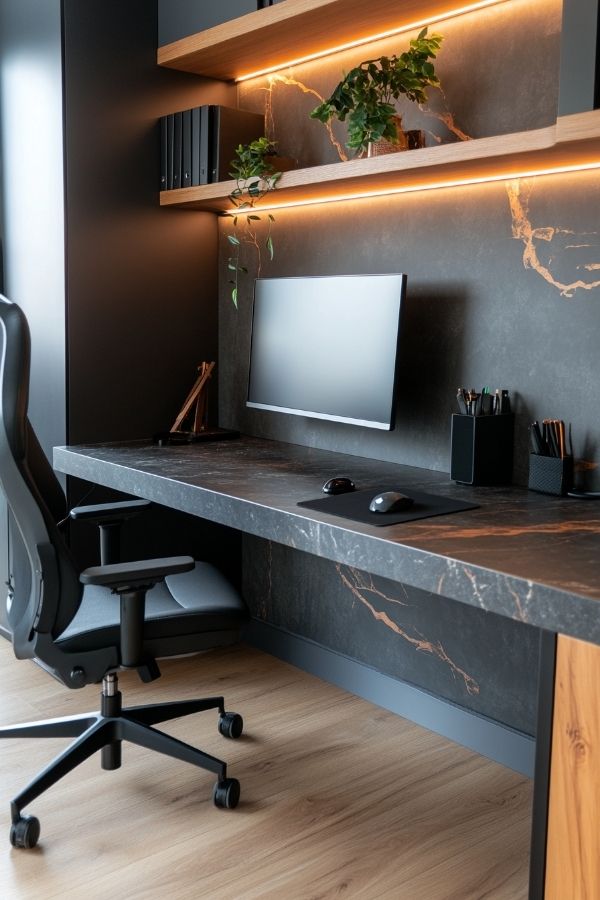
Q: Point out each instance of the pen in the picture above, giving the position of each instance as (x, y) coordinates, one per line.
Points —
(551, 437)
(562, 446)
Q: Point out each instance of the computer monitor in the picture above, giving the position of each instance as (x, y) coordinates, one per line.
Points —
(326, 347)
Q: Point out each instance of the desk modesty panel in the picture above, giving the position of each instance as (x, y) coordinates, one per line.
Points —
(527, 556)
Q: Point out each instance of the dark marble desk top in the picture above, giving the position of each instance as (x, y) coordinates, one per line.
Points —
(523, 555)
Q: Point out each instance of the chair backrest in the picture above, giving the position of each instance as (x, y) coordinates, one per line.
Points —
(44, 588)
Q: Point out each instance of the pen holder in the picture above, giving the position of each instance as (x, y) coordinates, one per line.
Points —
(550, 474)
(481, 449)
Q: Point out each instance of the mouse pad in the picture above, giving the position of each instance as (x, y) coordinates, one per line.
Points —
(355, 505)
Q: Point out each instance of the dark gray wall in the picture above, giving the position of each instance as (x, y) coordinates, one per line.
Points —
(477, 310)
(579, 63)
(141, 281)
(503, 290)
(179, 18)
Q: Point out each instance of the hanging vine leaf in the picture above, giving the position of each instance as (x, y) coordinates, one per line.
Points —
(254, 177)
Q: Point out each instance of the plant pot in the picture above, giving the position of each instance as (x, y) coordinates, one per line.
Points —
(407, 140)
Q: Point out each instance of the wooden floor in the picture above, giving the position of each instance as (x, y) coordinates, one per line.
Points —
(339, 799)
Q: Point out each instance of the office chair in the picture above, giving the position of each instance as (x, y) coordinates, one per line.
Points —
(82, 627)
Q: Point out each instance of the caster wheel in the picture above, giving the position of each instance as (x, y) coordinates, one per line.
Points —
(25, 832)
(231, 725)
(226, 794)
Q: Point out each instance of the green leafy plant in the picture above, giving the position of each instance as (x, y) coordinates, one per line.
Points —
(366, 94)
(254, 176)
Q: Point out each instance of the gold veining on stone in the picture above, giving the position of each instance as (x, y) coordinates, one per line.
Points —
(437, 531)
(293, 82)
(520, 611)
(519, 193)
(355, 582)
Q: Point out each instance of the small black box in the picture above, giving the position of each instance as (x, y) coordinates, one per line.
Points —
(550, 474)
(227, 129)
(482, 449)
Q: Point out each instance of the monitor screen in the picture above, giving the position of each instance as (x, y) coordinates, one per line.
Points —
(326, 347)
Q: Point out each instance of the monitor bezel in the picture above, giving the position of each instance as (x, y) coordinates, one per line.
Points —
(329, 417)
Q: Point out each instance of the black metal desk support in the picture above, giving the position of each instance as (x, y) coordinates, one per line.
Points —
(543, 747)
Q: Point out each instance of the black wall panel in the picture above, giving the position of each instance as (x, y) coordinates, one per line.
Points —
(480, 661)
(179, 18)
(141, 281)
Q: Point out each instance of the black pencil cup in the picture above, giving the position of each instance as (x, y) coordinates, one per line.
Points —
(550, 474)
(481, 449)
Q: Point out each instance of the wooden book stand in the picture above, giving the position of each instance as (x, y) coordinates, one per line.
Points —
(198, 396)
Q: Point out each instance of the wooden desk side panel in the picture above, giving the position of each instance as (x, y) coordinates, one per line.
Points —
(573, 848)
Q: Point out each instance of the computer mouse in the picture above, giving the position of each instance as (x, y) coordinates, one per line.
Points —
(390, 501)
(338, 485)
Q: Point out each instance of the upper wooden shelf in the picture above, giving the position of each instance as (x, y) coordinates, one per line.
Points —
(287, 31)
(573, 141)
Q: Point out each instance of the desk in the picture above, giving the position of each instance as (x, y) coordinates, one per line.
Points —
(526, 556)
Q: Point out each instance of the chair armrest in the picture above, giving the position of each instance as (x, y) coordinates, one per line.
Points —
(131, 581)
(109, 512)
(136, 574)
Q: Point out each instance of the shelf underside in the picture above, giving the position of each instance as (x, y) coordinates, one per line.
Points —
(574, 141)
(288, 31)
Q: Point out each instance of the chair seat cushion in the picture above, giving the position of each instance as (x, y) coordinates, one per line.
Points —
(195, 603)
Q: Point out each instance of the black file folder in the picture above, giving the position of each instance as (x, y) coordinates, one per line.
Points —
(204, 144)
(178, 121)
(163, 154)
(196, 146)
(170, 154)
(186, 148)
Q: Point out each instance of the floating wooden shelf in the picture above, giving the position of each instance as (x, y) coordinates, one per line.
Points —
(288, 31)
(573, 141)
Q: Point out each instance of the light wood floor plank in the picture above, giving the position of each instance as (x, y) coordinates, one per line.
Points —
(339, 799)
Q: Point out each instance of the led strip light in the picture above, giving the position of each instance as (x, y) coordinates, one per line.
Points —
(421, 23)
(414, 188)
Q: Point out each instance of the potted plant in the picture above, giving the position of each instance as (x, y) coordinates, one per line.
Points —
(365, 95)
(255, 173)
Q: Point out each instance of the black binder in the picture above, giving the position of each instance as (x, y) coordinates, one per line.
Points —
(170, 137)
(178, 121)
(204, 144)
(186, 148)
(163, 153)
(196, 146)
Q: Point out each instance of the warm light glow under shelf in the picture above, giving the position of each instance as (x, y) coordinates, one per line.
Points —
(412, 26)
(413, 188)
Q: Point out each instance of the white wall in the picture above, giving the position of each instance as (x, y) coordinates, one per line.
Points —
(32, 208)
(31, 142)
